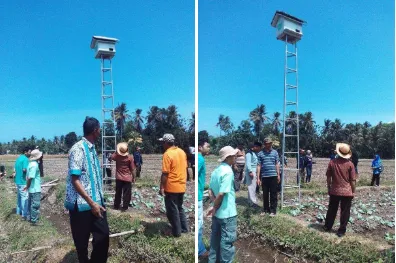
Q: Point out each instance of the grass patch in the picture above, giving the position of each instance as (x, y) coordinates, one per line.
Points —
(307, 243)
(146, 182)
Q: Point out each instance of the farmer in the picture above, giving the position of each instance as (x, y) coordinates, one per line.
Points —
(138, 159)
(377, 168)
(191, 160)
(341, 184)
(355, 161)
(20, 172)
(302, 162)
(107, 167)
(125, 176)
(308, 165)
(240, 161)
(224, 213)
(40, 163)
(33, 186)
(173, 184)
(250, 172)
(268, 175)
(84, 196)
(203, 150)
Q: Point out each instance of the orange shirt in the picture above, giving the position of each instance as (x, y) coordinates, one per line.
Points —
(174, 163)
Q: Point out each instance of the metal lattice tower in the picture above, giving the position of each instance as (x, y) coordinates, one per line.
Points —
(289, 30)
(105, 50)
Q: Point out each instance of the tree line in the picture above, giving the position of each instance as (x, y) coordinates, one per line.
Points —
(136, 128)
(365, 139)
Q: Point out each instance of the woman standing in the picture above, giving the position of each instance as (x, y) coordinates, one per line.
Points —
(377, 167)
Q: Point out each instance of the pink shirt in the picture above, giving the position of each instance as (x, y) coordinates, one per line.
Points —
(342, 172)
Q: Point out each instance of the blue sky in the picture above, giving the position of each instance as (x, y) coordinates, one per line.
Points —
(346, 60)
(50, 80)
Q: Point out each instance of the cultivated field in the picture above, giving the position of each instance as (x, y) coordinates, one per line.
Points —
(295, 234)
(150, 243)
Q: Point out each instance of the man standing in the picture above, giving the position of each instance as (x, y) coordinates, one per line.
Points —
(33, 186)
(240, 161)
(302, 163)
(107, 167)
(250, 172)
(308, 165)
(125, 176)
(203, 149)
(84, 196)
(268, 176)
(20, 171)
(341, 184)
(137, 157)
(224, 219)
(173, 183)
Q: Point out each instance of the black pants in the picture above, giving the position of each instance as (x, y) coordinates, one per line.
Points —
(125, 189)
(84, 223)
(270, 193)
(175, 213)
(376, 178)
(107, 171)
(346, 202)
(138, 170)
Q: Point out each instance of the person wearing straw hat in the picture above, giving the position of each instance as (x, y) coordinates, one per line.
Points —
(125, 175)
(33, 186)
(173, 184)
(223, 211)
(268, 175)
(20, 171)
(84, 196)
(341, 183)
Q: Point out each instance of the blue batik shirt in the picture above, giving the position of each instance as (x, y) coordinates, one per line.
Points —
(84, 163)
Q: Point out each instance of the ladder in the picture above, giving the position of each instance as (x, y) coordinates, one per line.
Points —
(290, 140)
(108, 120)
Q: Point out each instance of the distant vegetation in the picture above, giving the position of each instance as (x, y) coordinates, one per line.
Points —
(141, 130)
(320, 139)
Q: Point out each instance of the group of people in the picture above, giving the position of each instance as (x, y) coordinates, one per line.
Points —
(84, 194)
(261, 166)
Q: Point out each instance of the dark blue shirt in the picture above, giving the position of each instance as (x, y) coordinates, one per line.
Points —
(137, 157)
(268, 162)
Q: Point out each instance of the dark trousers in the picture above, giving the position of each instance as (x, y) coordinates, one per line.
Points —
(376, 179)
(270, 193)
(138, 170)
(309, 173)
(125, 189)
(84, 223)
(346, 202)
(107, 171)
(175, 213)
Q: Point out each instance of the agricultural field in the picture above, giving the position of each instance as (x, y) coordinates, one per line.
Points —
(150, 242)
(296, 235)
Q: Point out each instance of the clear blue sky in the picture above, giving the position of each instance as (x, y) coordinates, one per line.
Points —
(346, 60)
(50, 80)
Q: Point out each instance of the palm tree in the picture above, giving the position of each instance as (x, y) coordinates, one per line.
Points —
(220, 122)
(228, 126)
(258, 117)
(191, 125)
(121, 116)
(276, 123)
(138, 120)
(172, 117)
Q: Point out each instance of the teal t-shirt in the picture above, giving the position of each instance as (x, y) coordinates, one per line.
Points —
(222, 181)
(201, 176)
(22, 162)
(34, 174)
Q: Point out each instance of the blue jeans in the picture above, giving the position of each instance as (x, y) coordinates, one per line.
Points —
(34, 206)
(309, 172)
(224, 234)
(201, 246)
(22, 207)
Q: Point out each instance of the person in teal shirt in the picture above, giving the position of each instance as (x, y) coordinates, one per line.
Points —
(203, 149)
(224, 213)
(20, 171)
(33, 186)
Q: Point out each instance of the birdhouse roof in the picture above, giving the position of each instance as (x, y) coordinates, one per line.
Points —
(279, 14)
(102, 39)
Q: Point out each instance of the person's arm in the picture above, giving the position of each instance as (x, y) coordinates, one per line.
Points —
(132, 169)
(166, 167)
(277, 165)
(328, 175)
(141, 159)
(31, 174)
(113, 156)
(258, 170)
(164, 178)
(248, 159)
(95, 208)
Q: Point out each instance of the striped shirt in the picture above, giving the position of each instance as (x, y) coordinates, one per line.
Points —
(268, 162)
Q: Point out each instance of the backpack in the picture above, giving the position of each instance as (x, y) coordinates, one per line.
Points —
(381, 168)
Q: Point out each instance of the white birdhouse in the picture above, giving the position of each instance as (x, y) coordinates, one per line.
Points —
(104, 46)
(287, 27)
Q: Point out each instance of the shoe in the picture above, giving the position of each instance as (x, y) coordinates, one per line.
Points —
(339, 234)
(272, 215)
(326, 229)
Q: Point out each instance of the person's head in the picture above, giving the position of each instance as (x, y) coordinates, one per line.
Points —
(257, 146)
(122, 149)
(91, 128)
(240, 146)
(228, 155)
(267, 143)
(301, 151)
(26, 151)
(203, 147)
(138, 149)
(308, 152)
(376, 156)
(343, 150)
(168, 140)
(35, 155)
